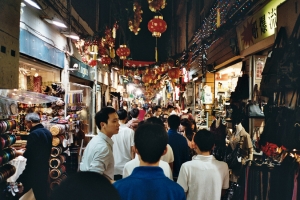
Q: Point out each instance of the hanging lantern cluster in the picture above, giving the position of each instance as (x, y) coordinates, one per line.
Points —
(134, 24)
(123, 52)
(90, 48)
(156, 5)
(157, 26)
(147, 79)
(174, 74)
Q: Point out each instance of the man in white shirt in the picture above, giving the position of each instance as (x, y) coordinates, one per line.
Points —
(98, 154)
(204, 177)
(123, 145)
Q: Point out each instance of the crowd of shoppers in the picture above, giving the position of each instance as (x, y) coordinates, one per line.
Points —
(154, 155)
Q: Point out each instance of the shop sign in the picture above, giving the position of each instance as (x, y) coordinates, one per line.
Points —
(259, 26)
(84, 71)
(35, 47)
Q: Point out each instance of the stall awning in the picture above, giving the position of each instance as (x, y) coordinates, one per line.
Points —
(27, 97)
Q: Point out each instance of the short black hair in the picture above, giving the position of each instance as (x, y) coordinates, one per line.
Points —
(103, 115)
(174, 121)
(134, 112)
(170, 106)
(122, 114)
(151, 141)
(85, 185)
(154, 120)
(204, 140)
(156, 108)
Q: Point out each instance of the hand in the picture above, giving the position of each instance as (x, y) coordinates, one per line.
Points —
(21, 188)
(20, 152)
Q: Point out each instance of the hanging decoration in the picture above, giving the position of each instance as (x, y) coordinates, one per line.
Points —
(105, 60)
(89, 48)
(136, 63)
(134, 24)
(174, 74)
(157, 26)
(156, 5)
(123, 51)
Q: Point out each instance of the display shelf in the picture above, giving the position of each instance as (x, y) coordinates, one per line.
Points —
(201, 119)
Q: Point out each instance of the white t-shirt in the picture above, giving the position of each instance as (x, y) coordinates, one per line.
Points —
(204, 178)
(128, 168)
(169, 156)
(123, 141)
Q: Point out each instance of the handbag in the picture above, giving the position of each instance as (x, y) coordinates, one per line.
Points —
(289, 67)
(234, 159)
(253, 106)
(268, 84)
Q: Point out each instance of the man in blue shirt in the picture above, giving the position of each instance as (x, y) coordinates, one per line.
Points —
(148, 181)
(179, 145)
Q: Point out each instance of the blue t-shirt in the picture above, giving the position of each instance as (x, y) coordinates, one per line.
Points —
(149, 183)
(180, 150)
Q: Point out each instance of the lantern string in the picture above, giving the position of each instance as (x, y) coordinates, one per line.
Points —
(156, 52)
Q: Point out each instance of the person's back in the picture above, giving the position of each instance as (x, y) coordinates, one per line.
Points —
(38, 150)
(178, 144)
(204, 177)
(123, 144)
(148, 180)
(129, 167)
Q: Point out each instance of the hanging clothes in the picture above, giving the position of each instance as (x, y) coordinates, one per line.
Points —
(219, 131)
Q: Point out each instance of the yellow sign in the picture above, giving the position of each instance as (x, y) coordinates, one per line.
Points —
(259, 26)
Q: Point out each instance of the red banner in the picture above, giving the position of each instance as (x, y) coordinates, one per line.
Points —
(136, 63)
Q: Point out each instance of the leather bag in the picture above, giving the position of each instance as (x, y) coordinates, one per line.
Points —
(268, 84)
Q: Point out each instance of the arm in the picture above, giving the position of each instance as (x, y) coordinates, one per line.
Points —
(100, 160)
(171, 166)
(132, 153)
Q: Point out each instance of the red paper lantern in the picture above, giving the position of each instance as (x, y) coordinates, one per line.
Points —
(92, 63)
(123, 52)
(174, 73)
(146, 79)
(157, 26)
(105, 60)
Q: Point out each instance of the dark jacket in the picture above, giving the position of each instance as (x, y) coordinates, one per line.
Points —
(38, 150)
(180, 150)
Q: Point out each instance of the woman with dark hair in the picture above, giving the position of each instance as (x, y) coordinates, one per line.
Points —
(187, 132)
(194, 126)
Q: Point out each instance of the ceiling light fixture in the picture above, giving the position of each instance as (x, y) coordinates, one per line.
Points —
(55, 22)
(32, 3)
(71, 35)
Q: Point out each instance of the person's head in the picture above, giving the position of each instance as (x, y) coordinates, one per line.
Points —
(134, 113)
(122, 114)
(204, 140)
(170, 108)
(148, 115)
(134, 106)
(150, 141)
(164, 118)
(31, 119)
(157, 110)
(155, 120)
(184, 123)
(173, 122)
(85, 185)
(139, 105)
(107, 121)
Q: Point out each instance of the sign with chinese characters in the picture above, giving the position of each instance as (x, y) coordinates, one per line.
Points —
(84, 71)
(259, 26)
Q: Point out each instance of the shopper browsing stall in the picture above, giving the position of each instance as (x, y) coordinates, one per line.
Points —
(38, 150)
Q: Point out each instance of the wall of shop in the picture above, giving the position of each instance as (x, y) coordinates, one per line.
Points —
(9, 42)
